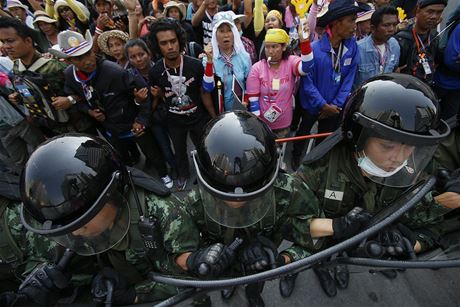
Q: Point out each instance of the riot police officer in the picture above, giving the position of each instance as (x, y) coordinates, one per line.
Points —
(242, 195)
(390, 130)
(76, 192)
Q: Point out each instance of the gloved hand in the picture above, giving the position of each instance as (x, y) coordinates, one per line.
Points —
(397, 241)
(8, 299)
(210, 261)
(122, 294)
(44, 284)
(260, 255)
(347, 226)
(453, 182)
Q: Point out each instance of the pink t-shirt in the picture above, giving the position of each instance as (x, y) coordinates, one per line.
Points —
(274, 86)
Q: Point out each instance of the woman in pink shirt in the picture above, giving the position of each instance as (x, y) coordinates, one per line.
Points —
(271, 82)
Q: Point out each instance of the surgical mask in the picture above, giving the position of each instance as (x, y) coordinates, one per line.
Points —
(370, 168)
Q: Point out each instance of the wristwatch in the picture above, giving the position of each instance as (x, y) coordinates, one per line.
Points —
(71, 99)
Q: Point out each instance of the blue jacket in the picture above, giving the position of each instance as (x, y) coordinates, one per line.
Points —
(450, 77)
(369, 59)
(319, 85)
(241, 66)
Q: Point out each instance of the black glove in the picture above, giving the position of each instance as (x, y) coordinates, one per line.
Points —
(8, 299)
(261, 255)
(44, 284)
(397, 241)
(210, 261)
(122, 293)
(347, 226)
(453, 183)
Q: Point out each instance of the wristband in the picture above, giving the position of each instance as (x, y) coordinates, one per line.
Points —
(98, 31)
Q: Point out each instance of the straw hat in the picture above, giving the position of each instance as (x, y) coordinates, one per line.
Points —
(103, 39)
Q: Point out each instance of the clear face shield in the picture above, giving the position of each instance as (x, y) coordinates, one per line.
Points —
(391, 162)
(394, 157)
(100, 228)
(102, 232)
(237, 209)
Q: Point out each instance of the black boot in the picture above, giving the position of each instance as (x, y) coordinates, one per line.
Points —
(253, 294)
(287, 284)
(341, 276)
(227, 293)
(326, 281)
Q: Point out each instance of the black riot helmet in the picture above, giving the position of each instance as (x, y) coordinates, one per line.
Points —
(403, 111)
(237, 162)
(67, 181)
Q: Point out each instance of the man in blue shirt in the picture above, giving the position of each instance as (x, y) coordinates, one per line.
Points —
(379, 52)
(324, 90)
(447, 76)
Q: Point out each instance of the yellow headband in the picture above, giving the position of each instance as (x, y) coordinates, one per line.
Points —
(276, 14)
(277, 36)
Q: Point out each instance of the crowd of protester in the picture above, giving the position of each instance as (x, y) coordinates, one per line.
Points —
(148, 74)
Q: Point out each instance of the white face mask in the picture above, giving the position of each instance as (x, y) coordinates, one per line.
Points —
(370, 168)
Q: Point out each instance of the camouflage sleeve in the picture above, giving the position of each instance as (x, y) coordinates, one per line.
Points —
(150, 291)
(35, 248)
(426, 220)
(179, 231)
(298, 207)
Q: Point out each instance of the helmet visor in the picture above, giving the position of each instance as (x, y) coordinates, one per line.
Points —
(102, 232)
(236, 213)
(390, 162)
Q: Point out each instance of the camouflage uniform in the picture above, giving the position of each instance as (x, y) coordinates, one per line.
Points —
(448, 153)
(339, 186)
(288, 219)
(127, 257)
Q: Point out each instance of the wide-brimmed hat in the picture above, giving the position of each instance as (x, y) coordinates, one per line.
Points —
(178, 5)
(80, 5)
(366, 14)
(42, 16)
(16, 3)
(337, 10)
(221, 18)
(103, 39)
(72, 44)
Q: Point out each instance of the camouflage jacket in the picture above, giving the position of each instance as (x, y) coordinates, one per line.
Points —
(339, 186)
(448, 153)
(295, 207)
(127, 257)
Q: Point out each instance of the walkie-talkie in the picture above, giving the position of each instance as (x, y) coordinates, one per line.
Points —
(148, 226)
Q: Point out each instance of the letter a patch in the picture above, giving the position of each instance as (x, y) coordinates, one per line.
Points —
(334, 195)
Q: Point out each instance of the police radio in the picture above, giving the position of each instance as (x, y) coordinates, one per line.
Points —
(148, 226)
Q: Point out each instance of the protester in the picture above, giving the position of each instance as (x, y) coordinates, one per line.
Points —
(325, 90)
(112, 44)
(272, 81)
(229, 58)
(379, 52)
(47, 26)
(418, 43)
(177, 84)
(70, 14)
(447, 76)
